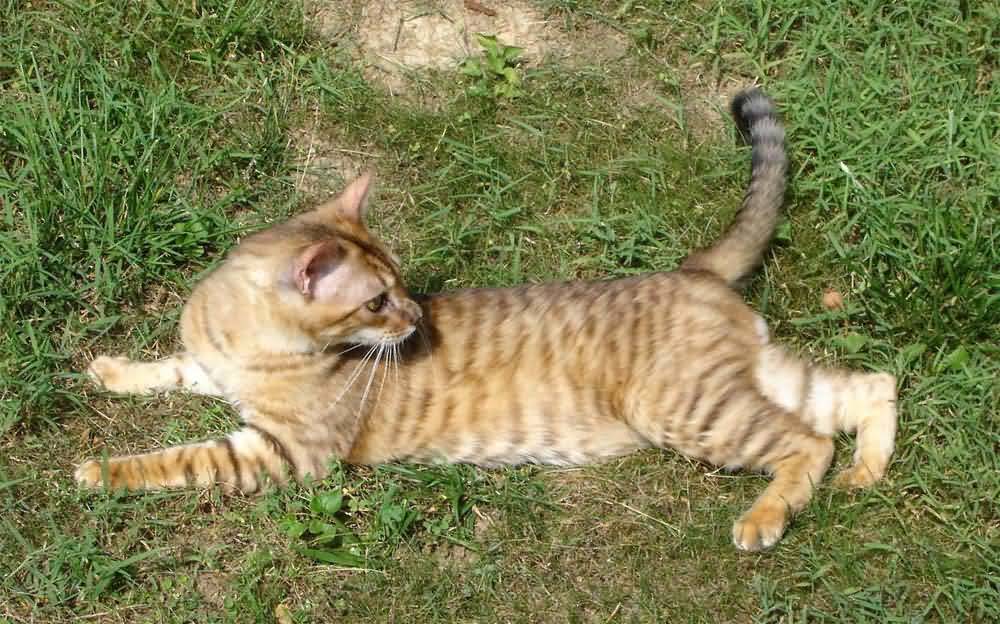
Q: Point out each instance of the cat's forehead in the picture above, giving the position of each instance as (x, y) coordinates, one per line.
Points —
(370, 250)
(356, 241)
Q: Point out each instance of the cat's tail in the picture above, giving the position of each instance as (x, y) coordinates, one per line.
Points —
(741, 248)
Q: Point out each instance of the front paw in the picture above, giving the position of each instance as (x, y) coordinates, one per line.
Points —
(109, 372)
(88, 474)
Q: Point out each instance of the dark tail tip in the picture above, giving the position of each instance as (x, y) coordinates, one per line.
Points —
(748, 106)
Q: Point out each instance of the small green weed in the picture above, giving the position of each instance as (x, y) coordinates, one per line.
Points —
(327, 538)
(495, 73)
(348, 523)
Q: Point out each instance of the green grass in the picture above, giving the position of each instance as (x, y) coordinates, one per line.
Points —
(139, 140)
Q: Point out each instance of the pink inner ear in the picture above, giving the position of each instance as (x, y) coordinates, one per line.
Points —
(312, 264)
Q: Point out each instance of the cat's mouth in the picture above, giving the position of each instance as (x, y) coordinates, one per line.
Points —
(398, 337)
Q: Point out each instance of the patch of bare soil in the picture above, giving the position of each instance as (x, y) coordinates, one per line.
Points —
(214, 587)
(398, 38)
(324, 163)
(706, 101)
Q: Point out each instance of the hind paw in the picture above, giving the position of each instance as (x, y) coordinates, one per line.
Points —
(856, 477)
(760, 528)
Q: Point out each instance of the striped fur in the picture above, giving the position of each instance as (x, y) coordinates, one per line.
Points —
(741, 249)
(308, 329)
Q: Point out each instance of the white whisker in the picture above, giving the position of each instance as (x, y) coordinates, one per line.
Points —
(385, 373)
(395, 363)
(364, 395)
(350, 348)
(354, 376)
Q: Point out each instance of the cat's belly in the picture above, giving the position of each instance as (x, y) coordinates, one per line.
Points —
(495, 439)
(562, 446)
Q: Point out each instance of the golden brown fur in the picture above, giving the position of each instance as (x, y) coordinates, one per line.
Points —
(309, 330)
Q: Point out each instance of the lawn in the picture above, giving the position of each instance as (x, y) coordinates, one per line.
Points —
(140, 140)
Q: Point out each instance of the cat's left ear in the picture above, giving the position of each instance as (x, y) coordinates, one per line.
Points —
(313, 269)
(352, 204)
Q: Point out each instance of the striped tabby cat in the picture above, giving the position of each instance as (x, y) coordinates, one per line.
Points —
(308, 329)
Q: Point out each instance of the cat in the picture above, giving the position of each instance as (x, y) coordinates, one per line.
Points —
(308, 329)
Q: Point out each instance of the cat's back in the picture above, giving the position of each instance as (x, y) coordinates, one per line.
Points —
(579, 336)
(652, 311)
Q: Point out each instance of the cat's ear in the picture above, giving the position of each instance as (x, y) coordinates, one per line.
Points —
(313, 264)
(352, 204)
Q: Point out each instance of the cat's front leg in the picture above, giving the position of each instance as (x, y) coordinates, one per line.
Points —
(237, 462)
(120, 374)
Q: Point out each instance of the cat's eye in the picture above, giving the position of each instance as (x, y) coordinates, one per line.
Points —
(376, 304)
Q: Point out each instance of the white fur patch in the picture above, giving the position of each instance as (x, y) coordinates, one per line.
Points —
(247, 440)
(781, 383)
(819, 404)
(195, 378)
(784, 392)
(373, 337)
(761, 326)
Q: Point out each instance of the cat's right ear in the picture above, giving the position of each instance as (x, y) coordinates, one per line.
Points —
(313, 264)
(352, 204)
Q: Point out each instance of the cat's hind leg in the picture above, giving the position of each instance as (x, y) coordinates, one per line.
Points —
(731, 423)
(831, 400)
(120, 374)
(797, 472)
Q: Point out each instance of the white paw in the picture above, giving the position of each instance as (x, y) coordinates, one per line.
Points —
(109, 372)
(759, 528)
(88, 474)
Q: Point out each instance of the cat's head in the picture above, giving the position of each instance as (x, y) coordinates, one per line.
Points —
(324, 276)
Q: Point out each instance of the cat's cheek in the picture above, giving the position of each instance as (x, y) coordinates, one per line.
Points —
(381, 337)
(403, 334)
(368, 336)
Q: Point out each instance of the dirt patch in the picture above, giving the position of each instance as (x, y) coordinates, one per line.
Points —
(214, 587)
(398, 38)
(324, 162)
(706, 100)
(693, 96)
(642, 94)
